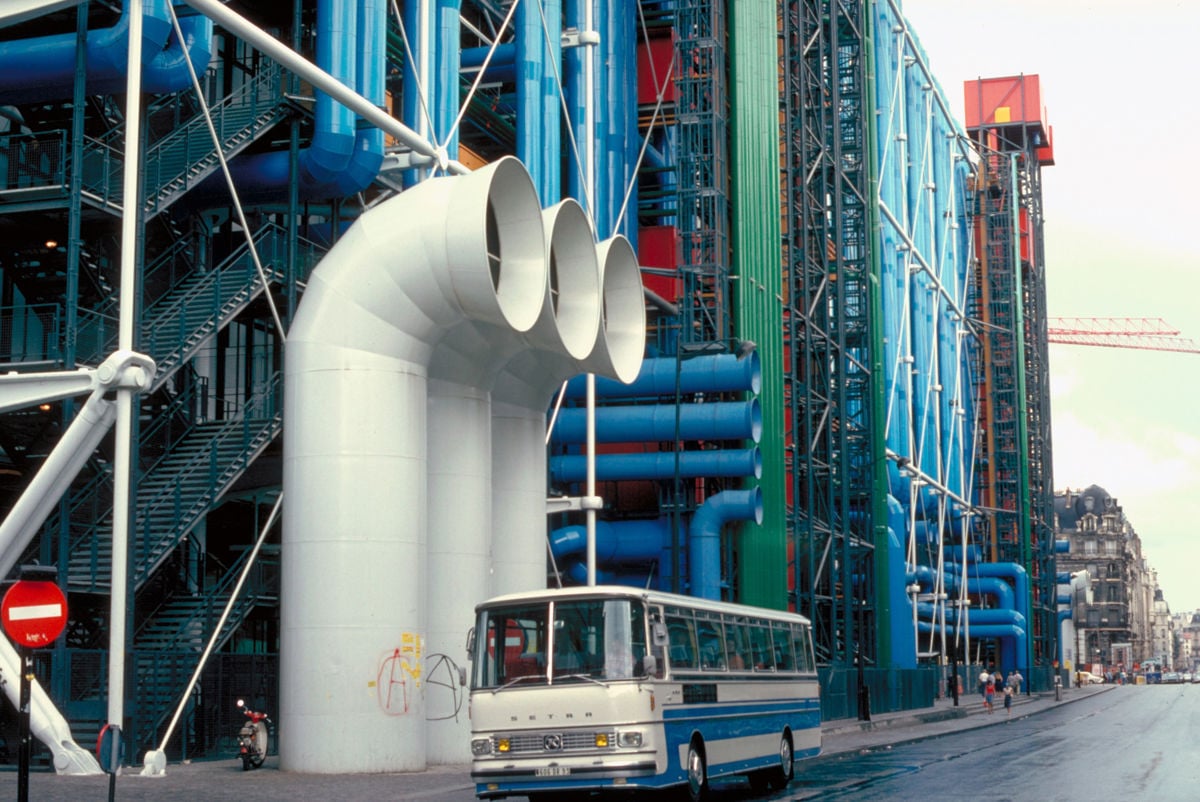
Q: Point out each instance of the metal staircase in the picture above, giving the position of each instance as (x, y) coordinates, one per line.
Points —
(179, 491)
(185, 155)
(199, 304)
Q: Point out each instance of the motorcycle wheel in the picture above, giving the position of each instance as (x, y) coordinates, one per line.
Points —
(261, 740)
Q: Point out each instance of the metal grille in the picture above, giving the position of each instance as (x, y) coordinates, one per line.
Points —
(535, 742)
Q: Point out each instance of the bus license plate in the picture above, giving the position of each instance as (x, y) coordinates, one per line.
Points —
(552, 771)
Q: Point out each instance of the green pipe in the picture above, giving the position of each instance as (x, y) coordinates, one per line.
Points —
(879, 493)
(1018, 301)
(758, 268)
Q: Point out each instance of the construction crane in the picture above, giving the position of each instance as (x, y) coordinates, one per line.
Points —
(1144, 333)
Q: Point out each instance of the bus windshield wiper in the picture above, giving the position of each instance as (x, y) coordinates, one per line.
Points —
(587, 677)
(516, 680)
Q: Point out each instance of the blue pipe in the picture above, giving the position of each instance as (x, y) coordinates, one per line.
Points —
(43, 68)
(704, 536)
(1012, 652)
(1063, 598)
(993, 615)
(448, 60)
(617, 542)
(538, 140)
(716, 421)
(904, 640)
(1062, 546)
(1063, 577)
(659, 465)
(339, 161)
(501, 68)
(702, 374)
(368, 143)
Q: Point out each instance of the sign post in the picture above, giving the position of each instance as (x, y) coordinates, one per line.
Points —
(34, 614)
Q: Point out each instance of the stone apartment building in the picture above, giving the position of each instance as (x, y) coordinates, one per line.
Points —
(1123, 621)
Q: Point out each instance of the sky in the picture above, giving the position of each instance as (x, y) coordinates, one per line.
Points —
(1122, 238)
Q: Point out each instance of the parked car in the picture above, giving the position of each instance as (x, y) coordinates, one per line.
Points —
(1171, 678)
(1187, 677)
(1088, 678)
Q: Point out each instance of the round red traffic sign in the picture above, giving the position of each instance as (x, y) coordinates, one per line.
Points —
(34, 613)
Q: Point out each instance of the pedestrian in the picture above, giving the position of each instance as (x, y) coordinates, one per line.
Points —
(989, 693)
(983, 680)
(1017, 679)
(1008, 695)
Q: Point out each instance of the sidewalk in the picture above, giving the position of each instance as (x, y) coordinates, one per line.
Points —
(224, 779)
(851, 735)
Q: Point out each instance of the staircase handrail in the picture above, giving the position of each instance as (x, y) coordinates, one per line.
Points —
(262, 408)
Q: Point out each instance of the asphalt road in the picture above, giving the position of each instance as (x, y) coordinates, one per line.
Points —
(1133, 742)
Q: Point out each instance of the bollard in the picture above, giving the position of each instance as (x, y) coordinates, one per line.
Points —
(1057, 688)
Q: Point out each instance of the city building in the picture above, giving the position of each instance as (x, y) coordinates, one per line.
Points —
(1120, 625)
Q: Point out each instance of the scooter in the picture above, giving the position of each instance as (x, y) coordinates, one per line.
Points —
(253, 738)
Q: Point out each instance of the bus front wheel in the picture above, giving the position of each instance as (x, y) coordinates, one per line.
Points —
(696, 787)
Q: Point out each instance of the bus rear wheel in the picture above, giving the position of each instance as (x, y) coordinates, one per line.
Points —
(696, 787)
(777, 777)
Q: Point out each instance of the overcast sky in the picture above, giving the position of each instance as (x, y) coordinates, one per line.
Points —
(1122, 237)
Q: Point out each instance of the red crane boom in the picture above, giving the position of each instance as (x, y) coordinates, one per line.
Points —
(1141, 333)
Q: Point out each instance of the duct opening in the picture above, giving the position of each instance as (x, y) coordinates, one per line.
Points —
(492, 228)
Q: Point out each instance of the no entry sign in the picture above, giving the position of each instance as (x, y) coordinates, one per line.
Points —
(34, 613)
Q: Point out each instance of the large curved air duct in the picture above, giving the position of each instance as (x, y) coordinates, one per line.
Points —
(621, 543)
(704, 536)
(447, 254)
(43, 68)
(340, 160)
(526, 385)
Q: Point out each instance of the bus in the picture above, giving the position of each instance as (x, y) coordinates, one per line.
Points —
(617, 688)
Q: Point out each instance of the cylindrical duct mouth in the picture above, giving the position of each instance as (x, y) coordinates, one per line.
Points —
(618, 351)
(494, 214)
(571, 311)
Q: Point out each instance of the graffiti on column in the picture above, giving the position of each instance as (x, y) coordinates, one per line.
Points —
(398, 679)
(445, 695)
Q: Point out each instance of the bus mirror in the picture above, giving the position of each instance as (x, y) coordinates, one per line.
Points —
(470, 644)
(649, 666)
(658, 631)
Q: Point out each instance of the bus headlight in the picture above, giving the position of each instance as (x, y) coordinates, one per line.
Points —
(633, 739)
(503, 745)
(481, 746)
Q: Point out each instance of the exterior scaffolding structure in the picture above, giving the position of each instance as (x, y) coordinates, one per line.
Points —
(703, 169)
(1015, 467)
(828, 381)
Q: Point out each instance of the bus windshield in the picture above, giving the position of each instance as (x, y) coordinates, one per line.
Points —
(575, 640)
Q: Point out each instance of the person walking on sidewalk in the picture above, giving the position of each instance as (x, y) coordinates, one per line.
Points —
(1008, 695)
(989, 693)
(983, 681)
(1015, 679)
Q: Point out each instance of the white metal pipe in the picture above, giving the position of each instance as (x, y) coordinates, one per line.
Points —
(131, 203)
(73, 449)
(519, 399)
(462, 368)
(449, 252)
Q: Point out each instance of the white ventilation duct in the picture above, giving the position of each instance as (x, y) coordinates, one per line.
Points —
(460, 457)
(422, 269)
(523, 391)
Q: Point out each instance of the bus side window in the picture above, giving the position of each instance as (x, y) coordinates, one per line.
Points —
(781, 634)
(681, 632)
(760, 642)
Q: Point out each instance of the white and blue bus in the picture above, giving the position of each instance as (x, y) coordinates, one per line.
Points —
(610, 687)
